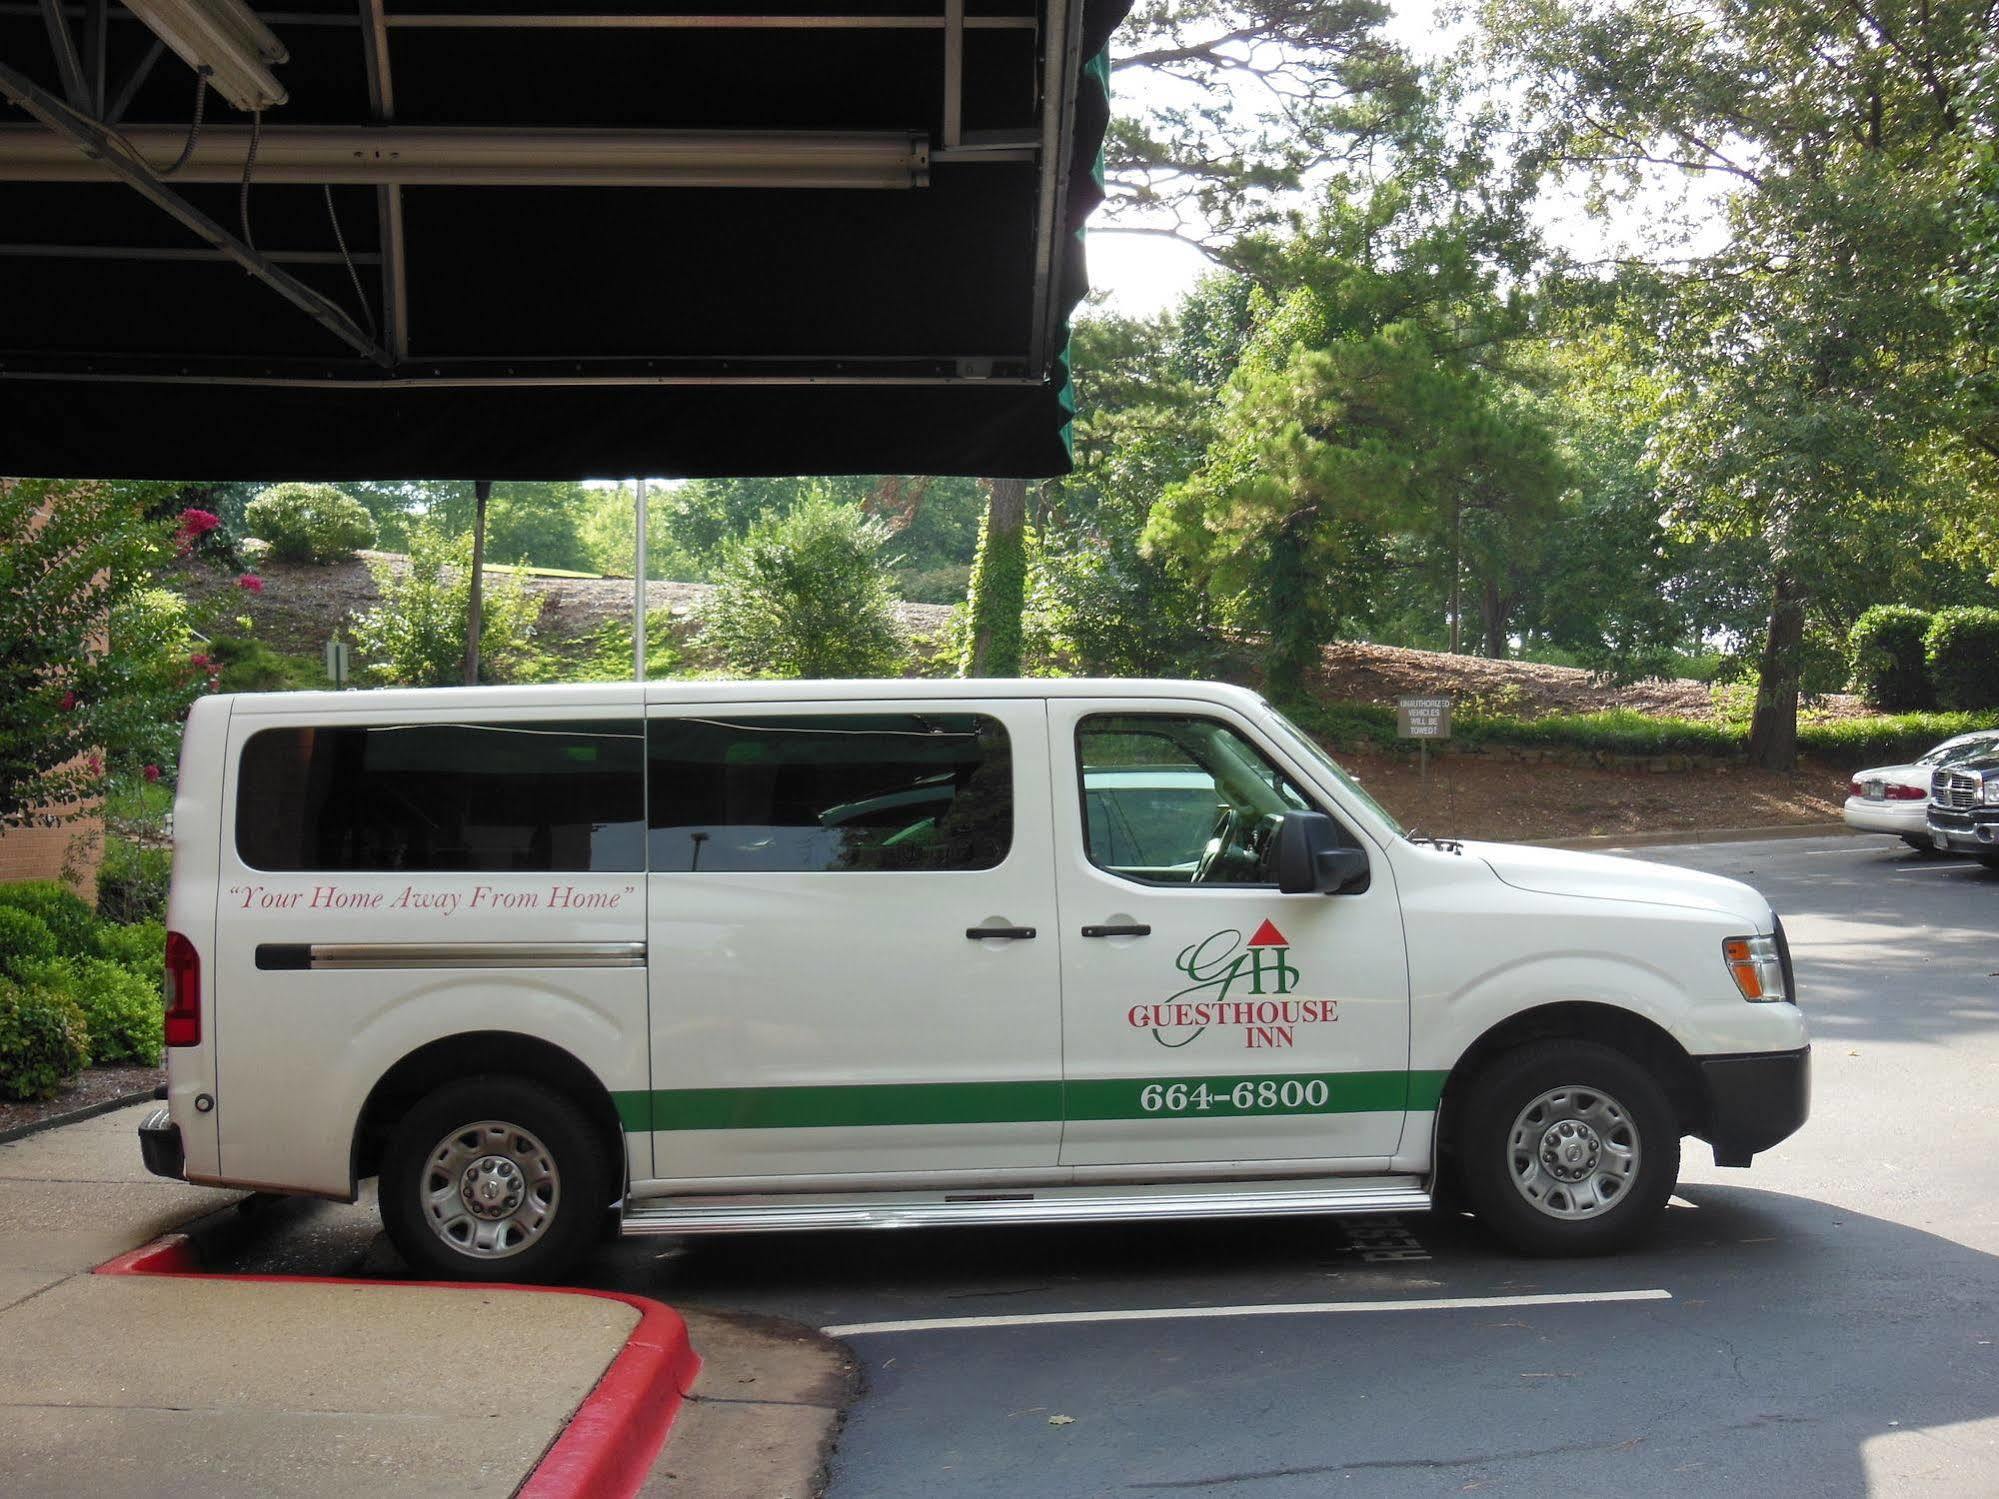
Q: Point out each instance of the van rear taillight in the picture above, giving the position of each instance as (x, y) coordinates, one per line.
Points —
(183, 992)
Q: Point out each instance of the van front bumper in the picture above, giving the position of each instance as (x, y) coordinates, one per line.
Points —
(1754, 1101)
(160, 1146)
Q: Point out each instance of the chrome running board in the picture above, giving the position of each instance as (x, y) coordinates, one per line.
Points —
(717, 1215)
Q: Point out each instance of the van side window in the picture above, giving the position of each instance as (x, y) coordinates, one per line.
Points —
(805, 792)
(1172, 799)
(532, 795)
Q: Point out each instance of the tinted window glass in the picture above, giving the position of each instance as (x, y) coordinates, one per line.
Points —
(1180, 800)
(444, 796)
(873, 791)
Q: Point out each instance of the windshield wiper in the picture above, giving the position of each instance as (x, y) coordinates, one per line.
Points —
(1444, 845)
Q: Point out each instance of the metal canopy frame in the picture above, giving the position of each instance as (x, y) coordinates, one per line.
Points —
(87, 120)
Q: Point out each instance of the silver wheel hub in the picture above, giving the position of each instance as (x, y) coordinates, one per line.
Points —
(1573, 1152)
(489, 1189)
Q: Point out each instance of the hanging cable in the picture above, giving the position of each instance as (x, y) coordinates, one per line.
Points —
(249, 165)
(360, 295)
(193, 130)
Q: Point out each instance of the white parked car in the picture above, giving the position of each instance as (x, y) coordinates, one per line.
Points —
(733, 956)
(1893, 798)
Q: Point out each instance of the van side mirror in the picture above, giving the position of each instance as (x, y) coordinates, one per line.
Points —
(1311, 860)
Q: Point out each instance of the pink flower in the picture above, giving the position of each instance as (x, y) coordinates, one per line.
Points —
(96, 765)
(250, 583)
(197, 659)
(152, 772)
(198, 522)
(69, 702)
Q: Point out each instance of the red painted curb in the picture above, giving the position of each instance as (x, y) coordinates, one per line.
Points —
(609, 1445)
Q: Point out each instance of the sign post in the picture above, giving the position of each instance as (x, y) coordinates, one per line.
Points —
(1423, 719)
(336, 662)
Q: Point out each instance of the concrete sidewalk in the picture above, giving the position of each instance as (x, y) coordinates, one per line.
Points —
(133, 1385)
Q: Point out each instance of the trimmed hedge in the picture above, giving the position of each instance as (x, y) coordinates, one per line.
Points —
(124, 1013)
(310, 522)
(24, 939)
(1889, 739)
(44, 1041)
(68, 919)
(140, 946)
(1890, 667)
(1962, 648)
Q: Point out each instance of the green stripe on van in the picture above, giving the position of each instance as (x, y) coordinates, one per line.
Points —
(853, 1105)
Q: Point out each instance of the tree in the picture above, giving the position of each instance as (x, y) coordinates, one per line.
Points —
(998, 593)
(541, 523)
(1226, 107)
(1813, 390)
(94, 665)
(1144, 388)
(806, 595)
(1373, 409)
(482, 490)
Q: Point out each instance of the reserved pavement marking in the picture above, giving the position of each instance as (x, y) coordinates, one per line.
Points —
(1276, 1309)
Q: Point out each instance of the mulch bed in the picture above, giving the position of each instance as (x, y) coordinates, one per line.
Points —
(1473, 796)
(97, 1086)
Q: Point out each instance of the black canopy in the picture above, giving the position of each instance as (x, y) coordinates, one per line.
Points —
(506, 239)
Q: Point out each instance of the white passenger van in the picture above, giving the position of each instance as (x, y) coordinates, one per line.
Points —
(720, 956)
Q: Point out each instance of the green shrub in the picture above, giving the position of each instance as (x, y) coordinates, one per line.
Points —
(806, 594)
(44, 1041)
(125, 1014)
(249, 665)
(310, 522)
(1885, 740)
(132, 881)
(608, 652)
(415, 637)
(1962, 648)
(24, 938)
(140, 947)
(1889, 740)
(1890, 669)
(68, 919)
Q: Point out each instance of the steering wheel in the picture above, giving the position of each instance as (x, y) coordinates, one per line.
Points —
(1217, 845)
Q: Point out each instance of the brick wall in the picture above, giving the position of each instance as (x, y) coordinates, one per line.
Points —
(38, 853)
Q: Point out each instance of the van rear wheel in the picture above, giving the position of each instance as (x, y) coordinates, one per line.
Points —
(493, 1179)
(1567, 1148)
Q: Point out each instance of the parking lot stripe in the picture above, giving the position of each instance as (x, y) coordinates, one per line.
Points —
(1276, 1309)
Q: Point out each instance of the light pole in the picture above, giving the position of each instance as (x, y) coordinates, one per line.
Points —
(639, 591)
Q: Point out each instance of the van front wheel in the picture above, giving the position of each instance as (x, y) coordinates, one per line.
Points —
(1568, 1147)
(492, 1179)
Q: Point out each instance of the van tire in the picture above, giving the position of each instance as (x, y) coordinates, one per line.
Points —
(1575, 1107)
(540, 1146)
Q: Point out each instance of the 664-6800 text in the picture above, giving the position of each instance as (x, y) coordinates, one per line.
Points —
(1247, 1097)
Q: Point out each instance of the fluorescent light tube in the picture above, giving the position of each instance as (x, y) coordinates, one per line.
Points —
(225, 38)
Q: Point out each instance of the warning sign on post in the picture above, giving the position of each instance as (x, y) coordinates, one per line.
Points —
(1423, 717)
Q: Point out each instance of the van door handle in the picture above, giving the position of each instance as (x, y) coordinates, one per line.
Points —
(1004, 933)
(1129, 929)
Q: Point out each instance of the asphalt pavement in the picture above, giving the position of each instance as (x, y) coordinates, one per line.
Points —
(1824, 1323)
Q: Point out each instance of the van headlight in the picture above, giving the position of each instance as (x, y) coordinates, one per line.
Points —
(1756, 966)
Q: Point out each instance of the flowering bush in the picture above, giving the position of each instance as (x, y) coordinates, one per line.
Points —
(73, 555)
(250, 583)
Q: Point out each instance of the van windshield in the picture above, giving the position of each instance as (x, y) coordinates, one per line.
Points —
(1303, 744)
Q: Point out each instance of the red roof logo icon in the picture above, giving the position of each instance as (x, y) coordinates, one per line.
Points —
(1267, 935)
